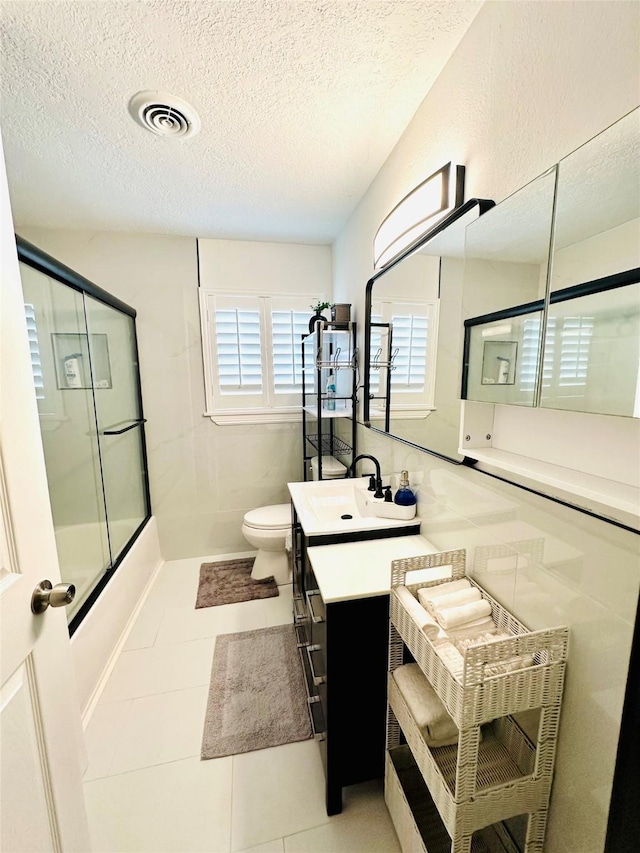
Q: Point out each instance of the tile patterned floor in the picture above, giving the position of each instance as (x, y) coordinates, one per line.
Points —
(147, 790)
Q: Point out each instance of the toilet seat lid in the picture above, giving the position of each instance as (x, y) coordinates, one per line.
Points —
(269, 517)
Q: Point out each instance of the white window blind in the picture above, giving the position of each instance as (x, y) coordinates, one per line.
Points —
(528, 362)
(239, 355)
(34, 348)
(410, 362)
(287, 328)
(253, 355)
(566, 355)
(575, 340)
(377, 354)
(413, 352)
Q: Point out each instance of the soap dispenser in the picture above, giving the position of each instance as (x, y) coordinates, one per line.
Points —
(404, 496)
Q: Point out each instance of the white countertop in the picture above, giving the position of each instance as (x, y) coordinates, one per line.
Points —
(363, 569)
(331, 507)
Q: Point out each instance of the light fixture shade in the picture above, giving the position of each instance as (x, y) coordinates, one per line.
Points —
(418, 211)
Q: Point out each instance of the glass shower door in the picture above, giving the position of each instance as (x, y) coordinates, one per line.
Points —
(114, 366)
(62, 373)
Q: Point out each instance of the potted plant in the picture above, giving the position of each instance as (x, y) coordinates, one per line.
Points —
(317, 309)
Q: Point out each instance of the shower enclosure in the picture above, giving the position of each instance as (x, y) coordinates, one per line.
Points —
(84, 358)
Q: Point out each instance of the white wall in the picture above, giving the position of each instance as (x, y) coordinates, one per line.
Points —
(528, 84)
(203, 477)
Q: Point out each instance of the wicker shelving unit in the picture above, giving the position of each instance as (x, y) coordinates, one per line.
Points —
(484, 778)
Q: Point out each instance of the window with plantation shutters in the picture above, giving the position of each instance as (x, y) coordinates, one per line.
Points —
(34, 348)
(575, 340)
(238, 351)
(253, 355)
(49, 398)
(378, 347)
(410, 345)
(527, 364)
(413, 354)
(566, 356)
(287, 327)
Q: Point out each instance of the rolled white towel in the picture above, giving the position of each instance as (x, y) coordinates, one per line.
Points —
(416, 611)
(454, 599)
(429, 593)
(425, 706)
(455, 617)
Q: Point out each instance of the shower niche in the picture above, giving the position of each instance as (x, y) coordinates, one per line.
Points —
(75, 368)
(84, 360)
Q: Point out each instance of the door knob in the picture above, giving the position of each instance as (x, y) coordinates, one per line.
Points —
(45, 595)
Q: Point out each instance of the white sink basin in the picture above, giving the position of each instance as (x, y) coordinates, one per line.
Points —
(341, 506)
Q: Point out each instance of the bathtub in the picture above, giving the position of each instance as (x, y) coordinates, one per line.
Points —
(98, 639)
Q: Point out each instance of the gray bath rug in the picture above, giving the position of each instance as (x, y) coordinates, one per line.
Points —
(257, 696)
(230, 581)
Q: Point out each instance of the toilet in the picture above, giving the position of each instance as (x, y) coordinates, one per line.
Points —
(266, 528)
(332, 468)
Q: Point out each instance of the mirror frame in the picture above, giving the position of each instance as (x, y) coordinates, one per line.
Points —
(483, 205)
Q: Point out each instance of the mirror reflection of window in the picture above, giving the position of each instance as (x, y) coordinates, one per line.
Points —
(592, 353)
(410, 361)
(403, 340)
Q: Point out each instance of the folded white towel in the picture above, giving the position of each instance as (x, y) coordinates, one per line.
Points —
(455, 599)
(464, 643)
(426, 708)
(451, 658)
(429, 593)
(486, 625)
(454, 661)
(455, 617)
(511, 664)
(416, 611)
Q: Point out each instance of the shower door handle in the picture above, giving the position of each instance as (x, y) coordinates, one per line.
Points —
(132, 425)
(46, 595)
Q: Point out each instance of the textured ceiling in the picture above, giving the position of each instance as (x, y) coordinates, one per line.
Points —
(300, 102)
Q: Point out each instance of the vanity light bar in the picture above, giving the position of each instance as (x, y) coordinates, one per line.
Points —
(418, 212)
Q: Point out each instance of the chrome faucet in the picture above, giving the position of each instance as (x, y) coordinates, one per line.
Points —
(351, 470)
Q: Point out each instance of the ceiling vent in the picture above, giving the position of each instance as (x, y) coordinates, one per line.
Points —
(164, 114)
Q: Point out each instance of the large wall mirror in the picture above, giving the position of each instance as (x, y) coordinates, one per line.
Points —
(543, 289)
(505, 282)
(592, 339)
(588, 314)
(413, 335)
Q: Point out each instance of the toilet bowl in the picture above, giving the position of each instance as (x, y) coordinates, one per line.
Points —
(266, 528)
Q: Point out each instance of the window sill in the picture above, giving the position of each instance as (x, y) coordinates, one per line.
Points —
(246, 416)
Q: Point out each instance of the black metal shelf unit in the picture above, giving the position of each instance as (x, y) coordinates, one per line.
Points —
(329, 427)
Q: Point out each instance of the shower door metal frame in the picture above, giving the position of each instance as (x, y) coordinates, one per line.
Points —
(46, 264)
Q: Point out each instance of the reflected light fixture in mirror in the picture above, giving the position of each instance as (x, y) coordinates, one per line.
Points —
(418, 212)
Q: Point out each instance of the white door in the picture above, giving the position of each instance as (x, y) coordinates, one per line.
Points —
(41, 742)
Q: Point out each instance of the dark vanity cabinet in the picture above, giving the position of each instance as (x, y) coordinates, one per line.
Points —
(343, 648)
